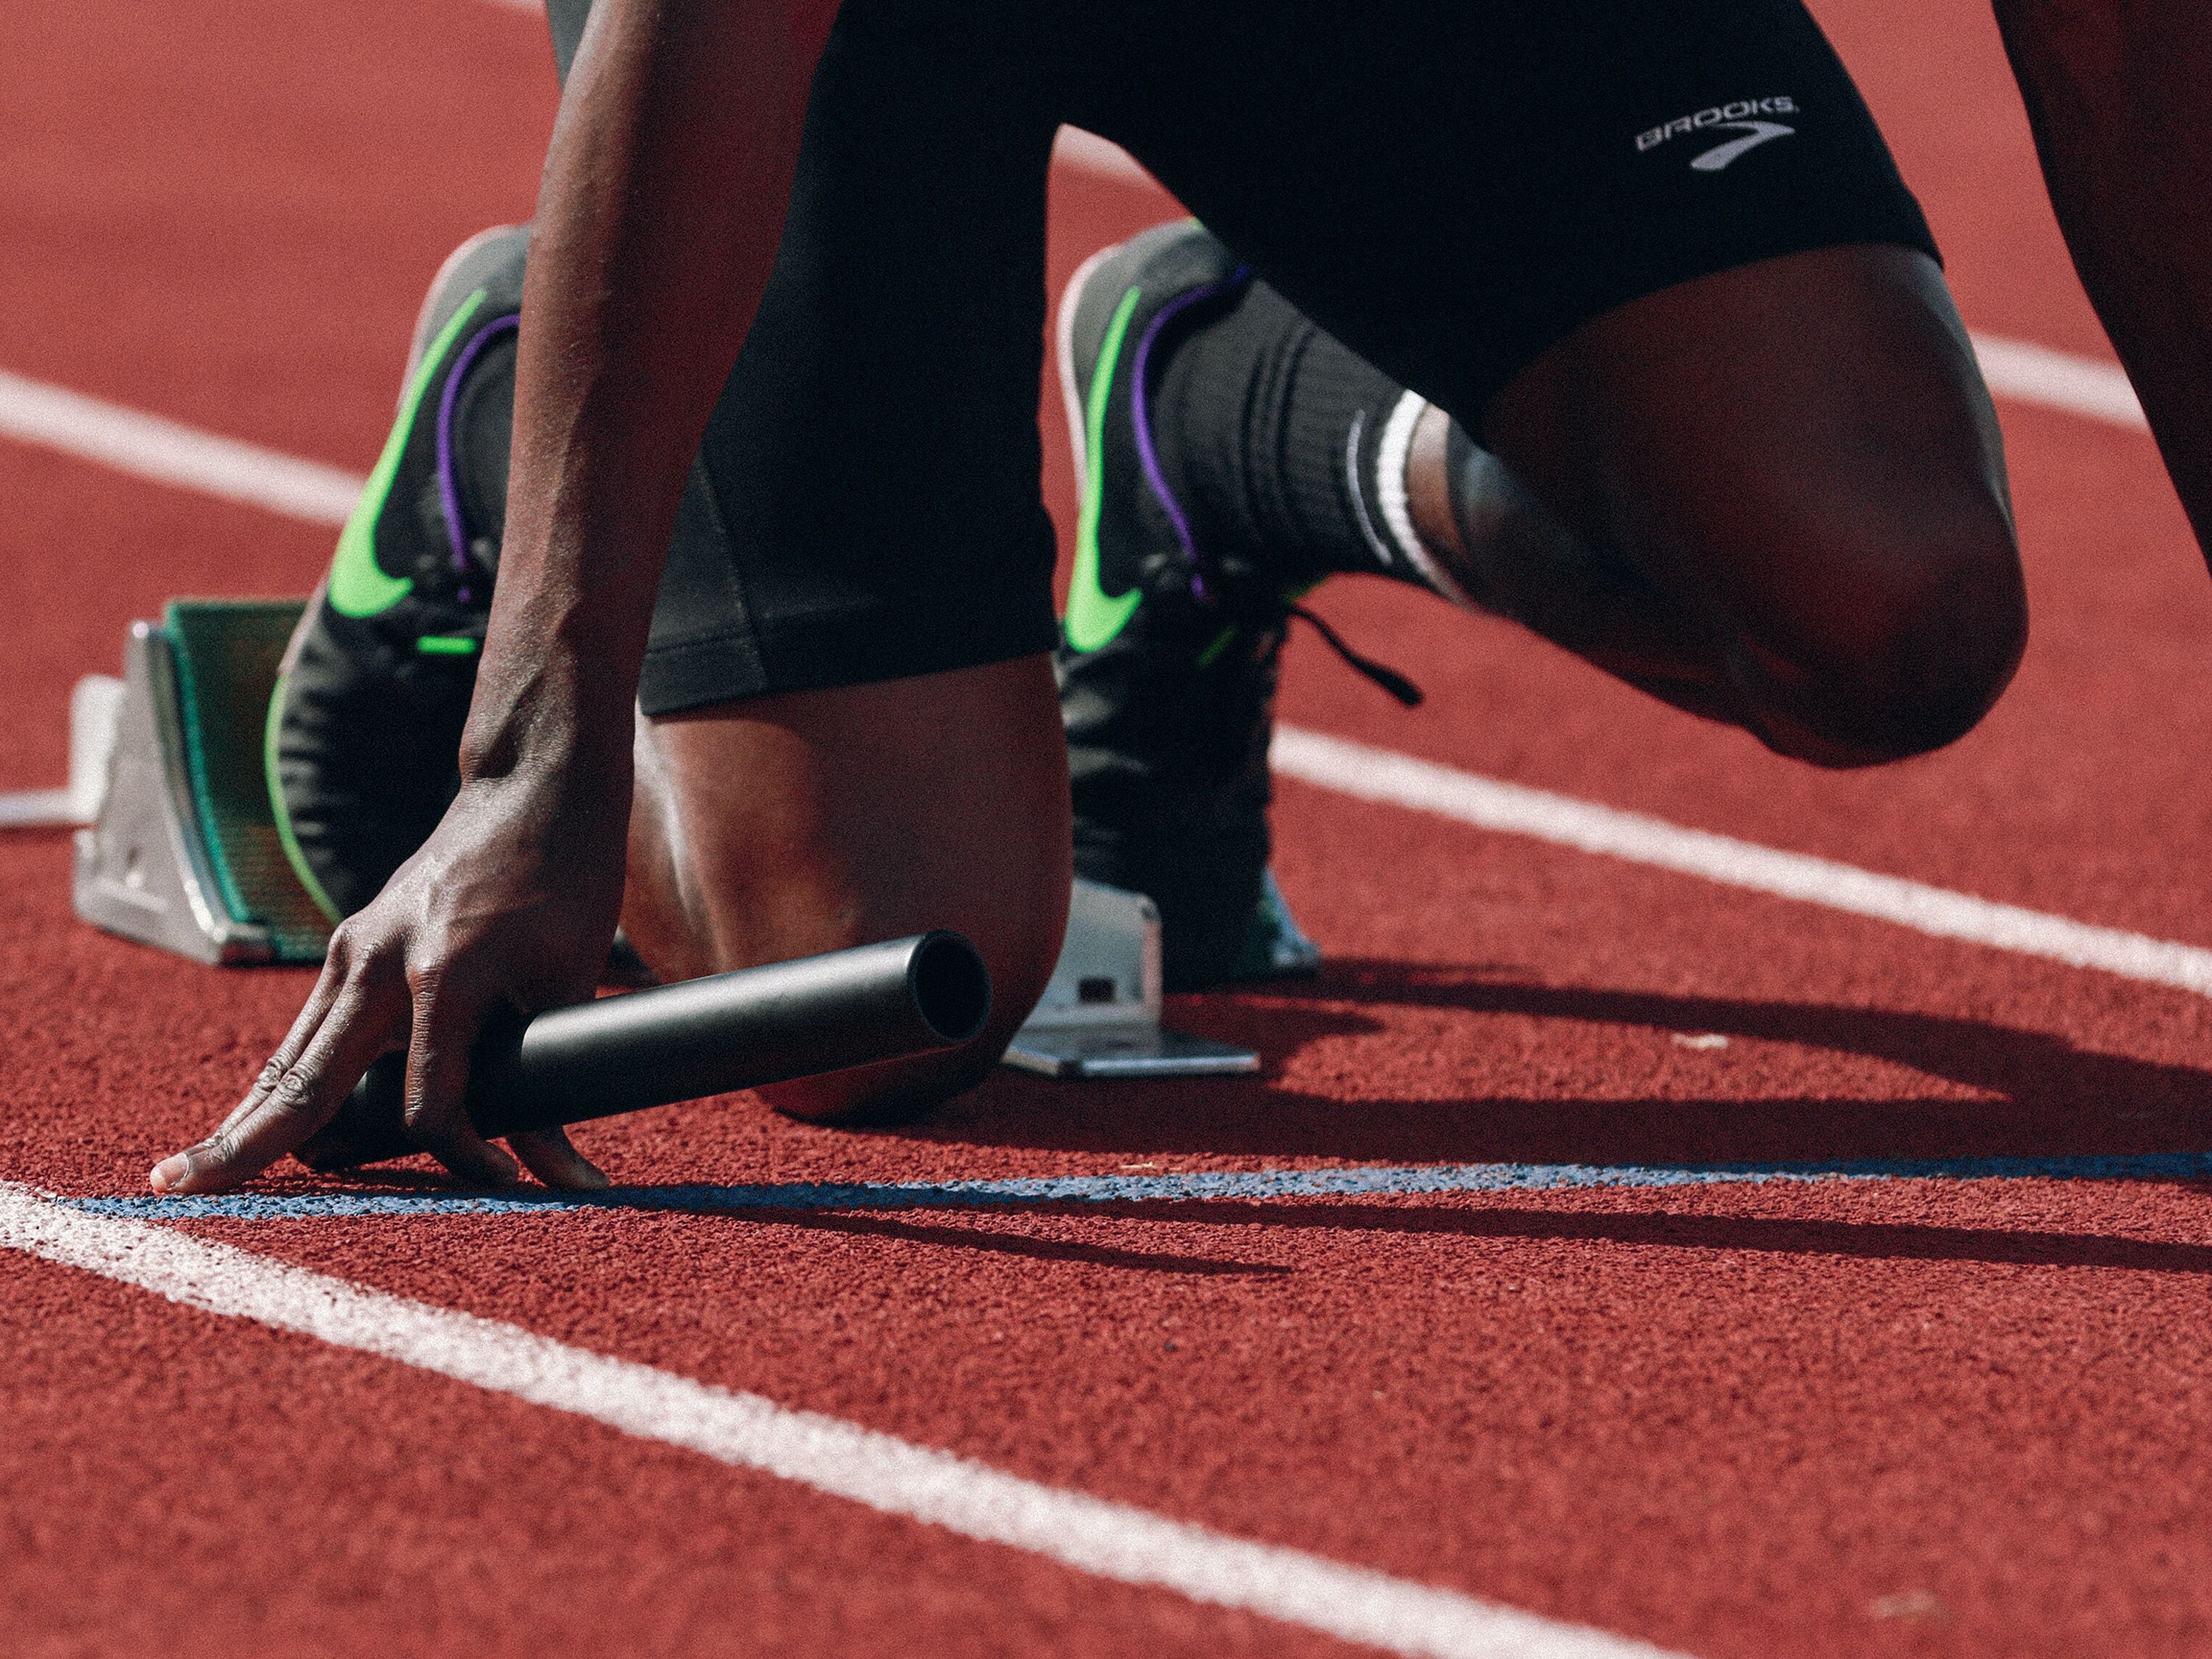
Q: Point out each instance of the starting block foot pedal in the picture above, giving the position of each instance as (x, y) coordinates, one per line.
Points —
(1100, 1014)
(183, 852)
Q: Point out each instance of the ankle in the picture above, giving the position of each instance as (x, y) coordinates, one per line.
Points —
(1440, 547)
(1428, 488)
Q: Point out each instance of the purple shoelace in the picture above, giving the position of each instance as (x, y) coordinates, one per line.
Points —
(449, 483)
(1140, 414)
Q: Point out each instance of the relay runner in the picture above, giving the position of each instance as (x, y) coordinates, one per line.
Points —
(1616, 319)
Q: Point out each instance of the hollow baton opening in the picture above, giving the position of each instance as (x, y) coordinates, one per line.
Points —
(951, 985)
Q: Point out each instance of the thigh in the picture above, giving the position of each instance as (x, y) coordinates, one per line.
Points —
(1450, 187)
(1656, 254)
(788, 824)
(868, 504)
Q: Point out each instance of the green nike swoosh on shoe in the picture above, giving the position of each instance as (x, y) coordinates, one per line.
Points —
(359, 587)
(363, 734)
(1093, 616)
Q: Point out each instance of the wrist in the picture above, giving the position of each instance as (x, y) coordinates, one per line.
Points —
(551, 717)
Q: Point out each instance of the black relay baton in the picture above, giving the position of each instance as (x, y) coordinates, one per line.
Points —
(680, 1042)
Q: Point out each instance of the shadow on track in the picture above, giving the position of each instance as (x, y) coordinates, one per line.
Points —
(2042, 1097)
(1866, 1241)
(974, 1237)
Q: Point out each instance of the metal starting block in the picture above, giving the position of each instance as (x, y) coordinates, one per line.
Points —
(1100, 1014)
(184, 854)
(93, 707)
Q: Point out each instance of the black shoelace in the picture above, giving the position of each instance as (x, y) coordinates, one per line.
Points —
(1381, 674)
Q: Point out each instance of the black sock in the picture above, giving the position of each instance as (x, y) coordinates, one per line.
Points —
(1287, 450)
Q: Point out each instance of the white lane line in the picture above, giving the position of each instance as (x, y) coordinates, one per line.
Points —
(1108, 1540)
(2029, 373)
(1382, 775)
(2014, 369)
(148, 446)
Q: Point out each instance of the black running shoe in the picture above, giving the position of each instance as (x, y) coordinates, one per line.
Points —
(1167, 661)
(365, 725)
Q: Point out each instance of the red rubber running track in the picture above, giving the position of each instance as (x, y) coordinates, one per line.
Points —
(1909, 1413)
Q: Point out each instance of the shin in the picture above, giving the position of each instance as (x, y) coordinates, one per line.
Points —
(795, 823)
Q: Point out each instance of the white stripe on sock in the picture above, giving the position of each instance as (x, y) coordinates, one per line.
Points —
(1390, 496)
(1384, 554)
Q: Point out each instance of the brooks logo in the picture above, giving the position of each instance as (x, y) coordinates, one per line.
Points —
(1741, 116)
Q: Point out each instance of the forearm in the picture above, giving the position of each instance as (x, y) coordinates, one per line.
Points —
(662, 202)
(2116, 93)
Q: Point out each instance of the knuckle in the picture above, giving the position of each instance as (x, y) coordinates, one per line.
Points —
(344, 947)
(292, 1092)
(366, 956)
(378, 962)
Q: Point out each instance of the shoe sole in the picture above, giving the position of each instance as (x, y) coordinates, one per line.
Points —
(1064, 349)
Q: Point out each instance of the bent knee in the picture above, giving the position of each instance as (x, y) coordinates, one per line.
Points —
(895, 1092)
(1914, 641)
(1020, 962)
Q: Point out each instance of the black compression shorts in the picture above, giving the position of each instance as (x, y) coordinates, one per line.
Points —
(1449, 186)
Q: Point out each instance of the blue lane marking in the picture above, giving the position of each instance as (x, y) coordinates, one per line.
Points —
(1157, 1188)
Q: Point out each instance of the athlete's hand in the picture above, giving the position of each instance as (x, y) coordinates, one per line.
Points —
(512, 901)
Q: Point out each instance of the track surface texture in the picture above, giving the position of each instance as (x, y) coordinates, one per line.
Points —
(1904, 1414)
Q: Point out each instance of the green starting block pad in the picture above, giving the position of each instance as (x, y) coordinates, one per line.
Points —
(183, 852)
